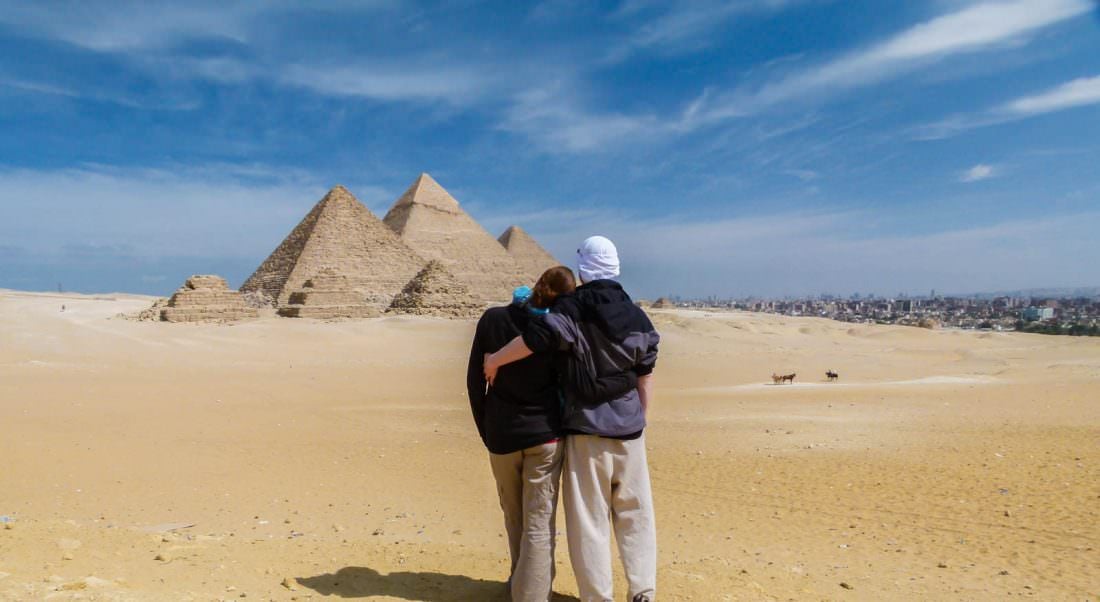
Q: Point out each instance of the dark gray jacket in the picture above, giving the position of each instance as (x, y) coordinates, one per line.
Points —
(608, 334)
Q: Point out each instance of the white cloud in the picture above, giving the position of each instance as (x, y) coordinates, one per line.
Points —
(975, 28)
(682, 25)
(1080, 92)
(980, 171)
(197, 210)
(138, 25)
(554, 120)
(803, 253)
(412, 80)
(1076, 93)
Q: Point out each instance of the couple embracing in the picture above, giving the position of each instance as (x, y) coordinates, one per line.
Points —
(559, 382)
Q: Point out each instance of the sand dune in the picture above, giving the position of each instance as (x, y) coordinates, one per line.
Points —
(153, 461)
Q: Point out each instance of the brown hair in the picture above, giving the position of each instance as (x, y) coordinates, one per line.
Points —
(553, 282)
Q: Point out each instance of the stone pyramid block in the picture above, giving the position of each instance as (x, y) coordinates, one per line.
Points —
(206, 299)
(342, 234)
(328, 295)
(528, 253)
(436, 292)
(430, 221)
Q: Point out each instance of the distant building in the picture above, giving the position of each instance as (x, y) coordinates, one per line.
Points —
(1034, 314)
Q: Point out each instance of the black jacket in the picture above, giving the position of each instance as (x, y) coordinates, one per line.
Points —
(607, 334)
(523, 407)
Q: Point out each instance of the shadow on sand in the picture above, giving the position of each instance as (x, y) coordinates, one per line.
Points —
(363, 582)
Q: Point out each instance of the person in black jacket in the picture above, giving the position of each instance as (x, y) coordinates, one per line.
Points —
(519, 420)
(605, 481)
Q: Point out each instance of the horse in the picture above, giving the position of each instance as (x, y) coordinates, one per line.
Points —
(829, 374)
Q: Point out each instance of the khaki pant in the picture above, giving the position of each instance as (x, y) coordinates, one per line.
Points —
(527, 482)
(606, 485)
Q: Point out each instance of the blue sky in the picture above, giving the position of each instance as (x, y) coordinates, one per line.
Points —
(769, 147)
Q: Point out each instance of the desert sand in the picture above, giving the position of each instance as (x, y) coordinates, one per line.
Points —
(294, 459)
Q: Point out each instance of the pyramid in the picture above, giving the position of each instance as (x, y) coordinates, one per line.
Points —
(206, 299)
(429, 220)
(327, 295)
(528, 253)
(435, 291)
(342, 234)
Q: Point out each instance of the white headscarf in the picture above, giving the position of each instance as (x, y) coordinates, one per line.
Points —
(597, 259)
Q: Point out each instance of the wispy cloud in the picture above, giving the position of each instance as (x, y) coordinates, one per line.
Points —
(137, 25)
(839, 252)
(975, 28)
(558, 123)
(1076, 93)
(1080, 92)
(979, 172)
(413, 80)
(679, 26)
(184, 210)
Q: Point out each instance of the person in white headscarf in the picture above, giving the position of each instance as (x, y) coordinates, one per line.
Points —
(606, 476)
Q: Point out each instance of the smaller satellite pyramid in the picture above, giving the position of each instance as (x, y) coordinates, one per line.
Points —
(327, 295)
(206, 299)
(436, 292)
(342, 234)
(528, 253)
(430, 221)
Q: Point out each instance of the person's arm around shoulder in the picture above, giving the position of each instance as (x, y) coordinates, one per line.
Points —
(536, 338)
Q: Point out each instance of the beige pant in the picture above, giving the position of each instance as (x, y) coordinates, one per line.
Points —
(527, 482)
(606, 485)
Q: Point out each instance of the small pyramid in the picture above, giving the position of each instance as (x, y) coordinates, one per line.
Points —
(431, 222)
(662, 303)
(205, 299)
(528, 253)
(342, 234)
(327, 295)
(436, 292)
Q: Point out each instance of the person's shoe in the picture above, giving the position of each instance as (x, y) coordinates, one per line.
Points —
(640, 598)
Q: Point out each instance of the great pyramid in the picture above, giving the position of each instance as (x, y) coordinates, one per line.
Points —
(435, 291)
(429, 220)
(342, 234)
(328, 295)
(206, 299)
(528, 253)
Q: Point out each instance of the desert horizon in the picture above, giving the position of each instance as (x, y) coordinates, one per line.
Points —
(296, 458)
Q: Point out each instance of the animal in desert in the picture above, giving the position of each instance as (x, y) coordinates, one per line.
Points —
(829, 374)
(776, 379)
(788, 378)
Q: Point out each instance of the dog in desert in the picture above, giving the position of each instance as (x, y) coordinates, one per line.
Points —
(782, 378)
(829, 374)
